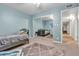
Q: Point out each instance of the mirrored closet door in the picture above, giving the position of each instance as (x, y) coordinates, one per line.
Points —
(70, 27)
(43, 26)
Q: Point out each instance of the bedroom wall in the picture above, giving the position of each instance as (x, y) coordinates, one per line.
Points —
(30, 24)
(56, 12)
(12, 20)
(47, 24)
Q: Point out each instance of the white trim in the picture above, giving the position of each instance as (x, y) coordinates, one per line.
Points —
(57, 42)
(70, 24)
(61, 28)
(77, 27)
(31, 37)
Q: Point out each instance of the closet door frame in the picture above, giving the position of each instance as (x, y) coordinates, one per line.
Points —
(77, 22)
(77, 25)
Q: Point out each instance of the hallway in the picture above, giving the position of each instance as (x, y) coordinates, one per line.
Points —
(69, 46)
(68, 41)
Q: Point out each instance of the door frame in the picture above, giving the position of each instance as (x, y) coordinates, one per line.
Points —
(70, 30)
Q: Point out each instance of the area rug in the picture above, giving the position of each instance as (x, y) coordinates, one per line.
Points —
(37, 49)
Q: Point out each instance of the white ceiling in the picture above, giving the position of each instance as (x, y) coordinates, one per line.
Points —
(30, 8)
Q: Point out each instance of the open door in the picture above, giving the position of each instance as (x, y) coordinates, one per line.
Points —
(69, 27)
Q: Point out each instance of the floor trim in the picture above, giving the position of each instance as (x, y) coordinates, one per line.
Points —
(57, 42)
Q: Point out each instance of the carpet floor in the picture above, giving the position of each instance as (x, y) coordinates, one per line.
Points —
(37, 49)
(68, 46)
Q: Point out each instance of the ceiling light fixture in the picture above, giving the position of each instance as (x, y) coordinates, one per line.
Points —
(71, 17)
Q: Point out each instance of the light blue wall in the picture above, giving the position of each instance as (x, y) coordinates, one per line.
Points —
(30, 23)
(47, 24)
(12, 20)
(56, 12)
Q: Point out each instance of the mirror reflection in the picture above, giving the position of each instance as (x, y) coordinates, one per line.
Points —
(43, 26)
(69, 27)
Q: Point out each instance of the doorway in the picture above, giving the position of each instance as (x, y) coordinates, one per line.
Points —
(69, 27)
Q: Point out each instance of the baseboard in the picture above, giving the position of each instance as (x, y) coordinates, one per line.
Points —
(32, 37)
(57, 42)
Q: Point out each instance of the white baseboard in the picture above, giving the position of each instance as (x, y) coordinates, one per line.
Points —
(31, 37)
(57, 42)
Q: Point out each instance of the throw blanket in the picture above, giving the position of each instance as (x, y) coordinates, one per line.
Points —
(13, 38)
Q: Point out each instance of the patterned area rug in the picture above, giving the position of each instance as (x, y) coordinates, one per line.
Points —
(37, 49)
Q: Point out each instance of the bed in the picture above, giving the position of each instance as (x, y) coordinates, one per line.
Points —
(8, 42)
